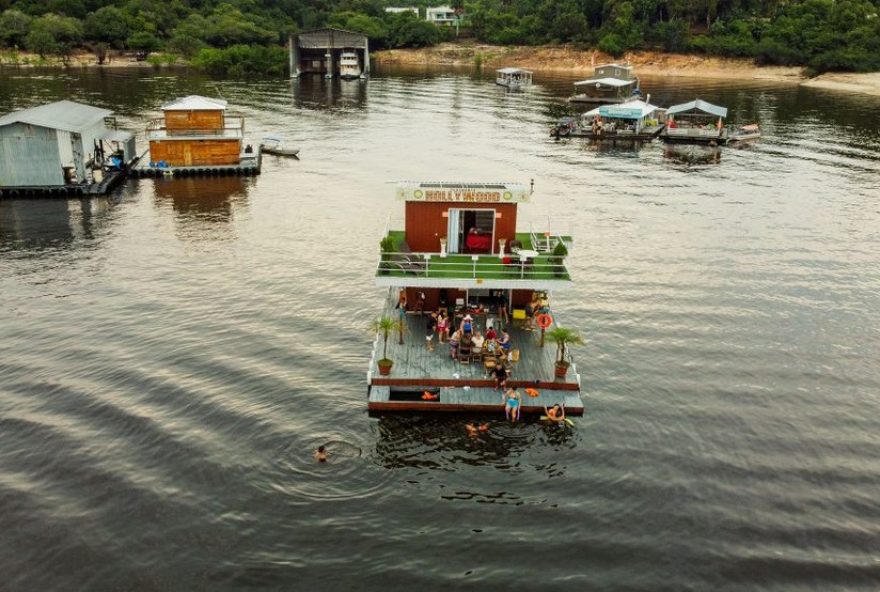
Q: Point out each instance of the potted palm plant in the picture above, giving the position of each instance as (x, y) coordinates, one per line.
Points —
(385, 325)
(563, 337)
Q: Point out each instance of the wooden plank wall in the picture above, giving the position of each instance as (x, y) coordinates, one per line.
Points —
(196, 152)
(193, 120)
(425, 223)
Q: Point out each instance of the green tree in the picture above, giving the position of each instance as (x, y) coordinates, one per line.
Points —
(144, 42)
(109, 25)
(54, 34)
(14, 27)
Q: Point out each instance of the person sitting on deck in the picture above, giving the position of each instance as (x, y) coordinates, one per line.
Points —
(504, 340)
(454, 340)
(491, 334)
(467, 325)
(511, 405)
(477, 341)
(556, 414)
(500, 372)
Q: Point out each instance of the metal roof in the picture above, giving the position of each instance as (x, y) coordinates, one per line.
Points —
(195, 103)
(613, 65)
(61, 115)
(606, 82)
(330, 38)
(513, 71)
(629, 110)
(698, 105)
(117, 135)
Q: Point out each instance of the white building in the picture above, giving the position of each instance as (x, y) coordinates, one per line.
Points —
(399, 9)
(440, 15)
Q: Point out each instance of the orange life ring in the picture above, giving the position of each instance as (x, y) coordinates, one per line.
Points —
(544, 320)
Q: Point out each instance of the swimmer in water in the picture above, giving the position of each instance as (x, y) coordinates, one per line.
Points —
(321, 454)
(556, 413)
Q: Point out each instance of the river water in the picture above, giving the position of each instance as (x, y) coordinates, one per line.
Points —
(171, 355)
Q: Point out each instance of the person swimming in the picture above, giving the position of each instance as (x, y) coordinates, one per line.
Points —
(321, 454)
(473, 430)
(556, 413)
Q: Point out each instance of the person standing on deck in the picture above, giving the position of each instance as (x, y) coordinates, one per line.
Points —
(430, 327)
(511, 405)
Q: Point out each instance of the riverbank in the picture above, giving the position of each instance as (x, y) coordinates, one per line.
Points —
(23, 59)
(581, 62)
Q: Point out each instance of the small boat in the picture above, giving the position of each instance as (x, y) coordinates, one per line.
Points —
(745, 133)
(611, 83)
(513, 78)
(275, 145)
(349, 65)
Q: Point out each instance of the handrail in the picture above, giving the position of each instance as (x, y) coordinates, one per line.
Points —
(544, 266)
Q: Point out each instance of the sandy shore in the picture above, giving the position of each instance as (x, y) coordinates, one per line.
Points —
(580, 62)
(23, 59)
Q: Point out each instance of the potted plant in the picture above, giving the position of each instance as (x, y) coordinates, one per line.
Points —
(385, 325)
(386, 245)
(563, 336)
(557, 258)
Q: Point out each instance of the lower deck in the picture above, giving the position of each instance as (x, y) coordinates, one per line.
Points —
(643, 135)
(466, 383)
(101, 187)
(249, 163)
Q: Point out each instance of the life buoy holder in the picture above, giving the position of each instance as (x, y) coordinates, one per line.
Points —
(544, 320)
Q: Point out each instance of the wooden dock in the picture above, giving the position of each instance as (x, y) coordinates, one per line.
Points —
(465, 386)
(103, 187)
(645, 135)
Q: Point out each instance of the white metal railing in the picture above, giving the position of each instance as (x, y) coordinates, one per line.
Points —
(233, 127)
(432, 265)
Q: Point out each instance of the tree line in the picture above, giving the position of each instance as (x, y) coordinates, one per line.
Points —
(242, 36)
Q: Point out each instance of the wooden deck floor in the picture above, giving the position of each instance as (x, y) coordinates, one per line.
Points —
(414, 364)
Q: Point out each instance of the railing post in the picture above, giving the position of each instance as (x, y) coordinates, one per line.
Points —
(474, 258)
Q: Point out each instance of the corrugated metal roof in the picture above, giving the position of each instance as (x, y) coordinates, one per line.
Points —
(195, 103)
(117, 135)
(606, 82)
(613, 65)
(629, 110)
(698, 105)
(512, 71)
(62, 115)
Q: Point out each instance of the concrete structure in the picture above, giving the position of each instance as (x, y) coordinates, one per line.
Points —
(443, 16)
(399, 9)
(59, 144)
(319, 51)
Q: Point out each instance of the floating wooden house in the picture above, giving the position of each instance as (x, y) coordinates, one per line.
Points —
(329, 52)
(460, 251)
(634, 120)
(62, 148)
(610, 83)
(513, 78)
(696, 122)
(196, 135)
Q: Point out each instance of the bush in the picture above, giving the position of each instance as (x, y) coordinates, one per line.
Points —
(242, 60)
(612, 44)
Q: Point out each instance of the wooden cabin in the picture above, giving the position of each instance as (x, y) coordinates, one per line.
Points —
(195, 131)
(460, 252)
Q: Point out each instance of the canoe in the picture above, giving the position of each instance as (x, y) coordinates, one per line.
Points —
(278, 151)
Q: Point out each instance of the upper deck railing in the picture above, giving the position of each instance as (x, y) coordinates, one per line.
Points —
(233, 127)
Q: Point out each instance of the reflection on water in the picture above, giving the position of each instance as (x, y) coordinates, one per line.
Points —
(204, 199)
(316, 92)
(50, 223)
(692, 154)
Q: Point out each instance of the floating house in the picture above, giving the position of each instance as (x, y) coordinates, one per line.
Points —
(62, 148)
(610, 83)
(321, 51)
(696, 122)
(513, 78)
(195, 135)
(634, 120)
(460, 251)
